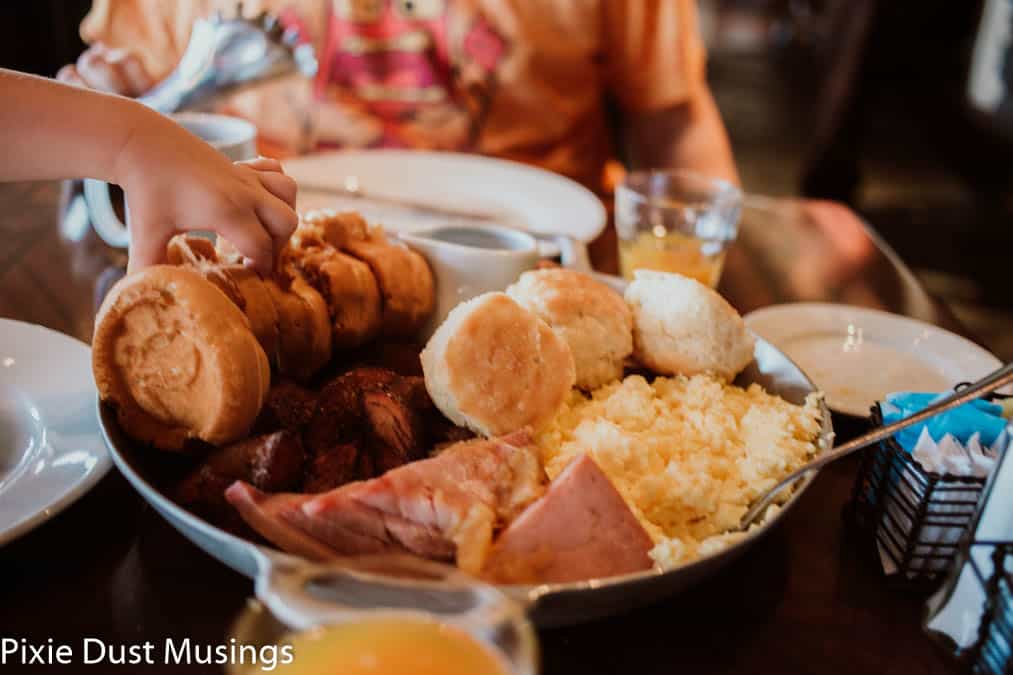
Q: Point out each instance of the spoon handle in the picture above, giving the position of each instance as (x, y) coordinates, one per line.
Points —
(989, 383)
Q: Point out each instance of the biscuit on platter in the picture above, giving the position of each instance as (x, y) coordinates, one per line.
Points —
(495, 367)
(405, 281)
(350, 291)
(594, 320)
(682, 327)
(177, 359)
(304, 327)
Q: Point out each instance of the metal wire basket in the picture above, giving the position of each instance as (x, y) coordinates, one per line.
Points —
(992, 651)
(913, 518)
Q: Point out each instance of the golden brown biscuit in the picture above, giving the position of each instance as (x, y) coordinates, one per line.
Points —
(593, 319)
(350, 291)
(405, 281)
(682, 327)
(177, 359)
(495, 367)
(304, 327)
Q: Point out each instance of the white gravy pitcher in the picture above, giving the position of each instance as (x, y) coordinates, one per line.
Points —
(469, 260)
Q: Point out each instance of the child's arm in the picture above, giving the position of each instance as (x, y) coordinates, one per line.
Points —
(173, 180)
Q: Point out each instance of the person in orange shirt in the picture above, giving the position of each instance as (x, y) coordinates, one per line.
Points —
(528, 80)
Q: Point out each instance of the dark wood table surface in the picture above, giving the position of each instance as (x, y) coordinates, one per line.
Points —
(807, 599)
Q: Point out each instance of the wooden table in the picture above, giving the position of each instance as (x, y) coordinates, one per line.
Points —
(805, 599)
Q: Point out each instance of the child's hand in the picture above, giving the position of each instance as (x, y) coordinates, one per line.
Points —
(175, 182)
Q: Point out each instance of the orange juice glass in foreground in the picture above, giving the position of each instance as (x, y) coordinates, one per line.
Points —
(388, 643)
(391, 647)
(676, 221)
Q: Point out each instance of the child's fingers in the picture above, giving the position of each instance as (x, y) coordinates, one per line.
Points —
(68, 75)
(278, 217)
(98, 73)
(278, 184)
(147, 246)
(131, 71)
(250, 238)
(263, 164)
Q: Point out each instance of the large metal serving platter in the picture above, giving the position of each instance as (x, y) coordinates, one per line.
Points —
(547, 604)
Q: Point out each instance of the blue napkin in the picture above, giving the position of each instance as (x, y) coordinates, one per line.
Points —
(962, 422)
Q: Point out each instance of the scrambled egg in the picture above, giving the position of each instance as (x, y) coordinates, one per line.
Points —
(688, 454)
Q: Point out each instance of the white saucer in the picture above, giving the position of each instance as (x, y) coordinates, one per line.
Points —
(857, 355)
(517, 194)
(51, 449)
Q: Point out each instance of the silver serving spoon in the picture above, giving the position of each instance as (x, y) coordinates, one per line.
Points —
(987, 384)
(227, 53)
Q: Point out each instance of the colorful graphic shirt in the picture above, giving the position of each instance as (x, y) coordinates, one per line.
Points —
(418, 70)
(522, 79)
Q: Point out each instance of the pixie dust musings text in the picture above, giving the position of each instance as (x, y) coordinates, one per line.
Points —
(171, 651)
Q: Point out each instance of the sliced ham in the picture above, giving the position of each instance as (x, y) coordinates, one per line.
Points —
(443, 508)
(581, 529)
(273, 517)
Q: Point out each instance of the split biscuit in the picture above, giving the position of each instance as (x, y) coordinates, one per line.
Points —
(495, 367)
(681, 327)
(593, 319)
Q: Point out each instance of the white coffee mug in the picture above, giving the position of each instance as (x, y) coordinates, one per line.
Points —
(233, 137)
(470, 260)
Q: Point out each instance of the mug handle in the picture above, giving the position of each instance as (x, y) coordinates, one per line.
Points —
(103, 216)
(573, 254)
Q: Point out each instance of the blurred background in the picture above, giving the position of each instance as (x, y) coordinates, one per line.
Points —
(870, 102)
(896, 107)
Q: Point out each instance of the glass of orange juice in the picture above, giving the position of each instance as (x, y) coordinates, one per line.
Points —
(676, 221)
(382, 642)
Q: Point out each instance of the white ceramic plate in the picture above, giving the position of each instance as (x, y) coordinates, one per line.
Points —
(516, 194)
(51, 449)
(857, 355)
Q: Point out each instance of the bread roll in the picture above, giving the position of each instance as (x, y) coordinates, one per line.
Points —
(350, 291)
(593, 319)
(329, 227)
(177, 359)
(402, 275)
(256, 303)
(495, 367)
(241, 284)
(304, 327)
(681, 327)
(405, 281)
(189, 249)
